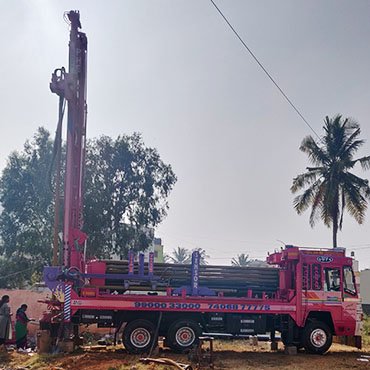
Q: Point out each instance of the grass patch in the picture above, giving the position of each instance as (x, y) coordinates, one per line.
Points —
(39, 361)
(366, 332)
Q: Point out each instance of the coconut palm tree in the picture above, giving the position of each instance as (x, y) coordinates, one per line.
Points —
(330, 187)
(203, 256)
(240, 260)
(180, 255)
(184, 256)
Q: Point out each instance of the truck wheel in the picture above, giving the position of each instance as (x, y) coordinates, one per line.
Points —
(183, 334)
(139, 336)
(317, 337)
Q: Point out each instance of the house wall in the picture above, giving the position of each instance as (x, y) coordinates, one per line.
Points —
(365, 286)
(35, 309)
(30, 298)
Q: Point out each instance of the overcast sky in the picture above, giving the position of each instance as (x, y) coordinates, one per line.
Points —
(172, 70)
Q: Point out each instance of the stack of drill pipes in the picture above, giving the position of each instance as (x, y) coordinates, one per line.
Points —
(222, 278)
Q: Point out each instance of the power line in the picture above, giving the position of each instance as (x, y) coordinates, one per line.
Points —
(358, 245)
(185, 239)
(17, 273)
(365, 246)
(265, 70)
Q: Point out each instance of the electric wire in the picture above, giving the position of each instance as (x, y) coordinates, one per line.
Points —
(18, 272)
(265, 70)
(365, 246)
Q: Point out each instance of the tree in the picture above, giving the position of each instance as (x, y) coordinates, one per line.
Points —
(180, 255)
(240, 260)
(126, 189)
(258, 263)
(27, 218)
(330, 187)
(127, 185)
(203, 256)
(184, 256)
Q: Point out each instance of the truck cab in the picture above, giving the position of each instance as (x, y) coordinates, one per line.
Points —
(324, 285)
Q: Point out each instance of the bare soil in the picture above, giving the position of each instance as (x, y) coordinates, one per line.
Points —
(234, 355)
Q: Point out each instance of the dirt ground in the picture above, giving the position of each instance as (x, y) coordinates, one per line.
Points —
(234, 355)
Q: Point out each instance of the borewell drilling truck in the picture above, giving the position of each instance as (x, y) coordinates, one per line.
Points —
(308, 295)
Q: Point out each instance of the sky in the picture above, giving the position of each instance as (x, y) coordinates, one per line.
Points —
(173, 70)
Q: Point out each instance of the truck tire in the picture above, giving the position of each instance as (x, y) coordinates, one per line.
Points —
(183, 335)
(317, 337)
(139, 336)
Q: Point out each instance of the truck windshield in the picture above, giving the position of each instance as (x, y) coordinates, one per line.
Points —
(349, 281)
(332, 280)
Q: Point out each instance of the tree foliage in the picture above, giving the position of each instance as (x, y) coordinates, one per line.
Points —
(27, 218)
(180, 256)
(183, 256)
(240, 260)
(126, 190)
(203, 256)
(330, 186)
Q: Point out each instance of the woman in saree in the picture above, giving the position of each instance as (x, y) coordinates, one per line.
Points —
(21, 327)
(4, 321)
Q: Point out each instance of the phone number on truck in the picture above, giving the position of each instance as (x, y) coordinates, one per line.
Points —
(203, 306)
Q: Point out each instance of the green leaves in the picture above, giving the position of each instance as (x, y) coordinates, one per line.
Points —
(180, 256)
(127, 185)
(240, 260)
(26, 220)
(126, 188)
(183, 256)
(330, 188)
(27, 216)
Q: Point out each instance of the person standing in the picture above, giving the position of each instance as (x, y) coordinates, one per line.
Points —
(4, 320)
(21, 327)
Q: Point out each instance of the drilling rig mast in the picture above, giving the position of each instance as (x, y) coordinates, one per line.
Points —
(71, 86)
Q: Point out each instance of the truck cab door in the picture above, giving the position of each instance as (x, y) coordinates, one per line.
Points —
(352, 308)
(333, 285)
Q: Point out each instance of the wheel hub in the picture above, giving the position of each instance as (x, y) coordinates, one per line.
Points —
(140, 337)
(185, 336)
(318, 338)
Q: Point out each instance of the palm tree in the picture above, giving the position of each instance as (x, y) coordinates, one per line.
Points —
(203, 256)
(330, 186)
(240, 260)
(181, 256)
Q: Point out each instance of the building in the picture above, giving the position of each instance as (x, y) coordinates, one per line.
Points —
(365, 290)
(157, 248)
